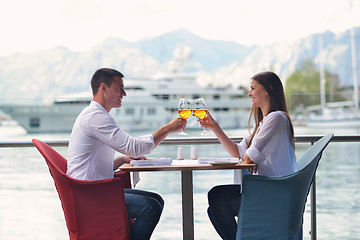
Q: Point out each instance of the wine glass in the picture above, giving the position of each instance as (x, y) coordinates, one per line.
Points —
(185, 110)
(199, 109)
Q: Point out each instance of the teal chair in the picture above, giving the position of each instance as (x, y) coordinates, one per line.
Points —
(273, 207)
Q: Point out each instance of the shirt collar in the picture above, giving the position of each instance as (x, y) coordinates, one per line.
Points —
(97, 105)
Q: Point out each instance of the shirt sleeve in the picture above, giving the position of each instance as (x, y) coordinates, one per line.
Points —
(104, 128)
(242, 146)
(266, 137)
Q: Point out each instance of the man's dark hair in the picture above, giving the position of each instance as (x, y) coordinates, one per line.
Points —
(103, 75)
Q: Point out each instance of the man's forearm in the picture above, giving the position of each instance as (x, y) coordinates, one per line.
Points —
(161, 134)
(118, 162)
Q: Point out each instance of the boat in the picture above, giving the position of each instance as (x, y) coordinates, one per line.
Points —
(344, 114)
(334, 115)
(150, 103)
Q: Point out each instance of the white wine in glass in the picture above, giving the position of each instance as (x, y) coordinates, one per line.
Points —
(185, 110)
(199, 109)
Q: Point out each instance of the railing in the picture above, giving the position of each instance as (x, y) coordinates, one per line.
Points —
(202, 141)
(189, 141)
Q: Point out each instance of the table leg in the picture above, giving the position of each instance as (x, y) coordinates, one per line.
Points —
(187, 205)
(313, 209)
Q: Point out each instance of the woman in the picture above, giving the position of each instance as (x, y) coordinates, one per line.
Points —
(270, 146)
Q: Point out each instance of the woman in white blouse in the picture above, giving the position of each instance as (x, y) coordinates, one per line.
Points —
(270, 146)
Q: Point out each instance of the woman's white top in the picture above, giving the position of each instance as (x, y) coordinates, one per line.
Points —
(272, 146)
(93, 141)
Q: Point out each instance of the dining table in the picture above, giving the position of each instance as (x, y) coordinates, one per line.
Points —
(186, 167)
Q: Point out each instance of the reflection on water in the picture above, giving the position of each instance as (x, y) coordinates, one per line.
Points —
(29, 204)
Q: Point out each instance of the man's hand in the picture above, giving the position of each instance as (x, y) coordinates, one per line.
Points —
(125, 159)
(177, 124)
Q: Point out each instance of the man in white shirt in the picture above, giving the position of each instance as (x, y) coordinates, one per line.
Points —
(94, 139)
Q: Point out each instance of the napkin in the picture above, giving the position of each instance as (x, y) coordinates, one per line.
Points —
(152, 162)
(141, 163)
(135, 178)
(161, 161)
(238, 176)
(206, 160)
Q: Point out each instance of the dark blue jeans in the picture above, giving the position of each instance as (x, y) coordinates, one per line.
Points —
(224, 205)
(146, 207)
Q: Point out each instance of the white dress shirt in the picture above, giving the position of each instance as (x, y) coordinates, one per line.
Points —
(94, 138)
(272, 146)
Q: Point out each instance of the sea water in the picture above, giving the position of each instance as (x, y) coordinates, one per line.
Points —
(30, 207)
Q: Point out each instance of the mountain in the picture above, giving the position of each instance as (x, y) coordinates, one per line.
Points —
(207, 54)
(58, 70)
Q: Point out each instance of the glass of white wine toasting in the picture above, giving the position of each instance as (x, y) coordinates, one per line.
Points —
(185, 110)
(199, 109)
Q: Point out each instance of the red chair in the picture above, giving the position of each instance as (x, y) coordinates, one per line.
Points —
(93, 209)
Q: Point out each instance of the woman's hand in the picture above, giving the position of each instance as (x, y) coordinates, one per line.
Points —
(208, 121)
(248, 160)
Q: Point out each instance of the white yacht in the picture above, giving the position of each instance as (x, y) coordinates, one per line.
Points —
(334, 115)
(345, 114)
(149, 104)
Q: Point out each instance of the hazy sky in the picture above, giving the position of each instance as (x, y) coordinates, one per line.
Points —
(31, 25)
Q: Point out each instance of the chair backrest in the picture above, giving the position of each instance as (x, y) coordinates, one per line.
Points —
(307, 157)
(92, 209)
(53, 158)
(273, 207)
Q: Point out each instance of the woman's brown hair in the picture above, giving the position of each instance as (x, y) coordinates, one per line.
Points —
(275, 90)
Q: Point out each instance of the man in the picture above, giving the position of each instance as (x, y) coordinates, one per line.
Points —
(94, 139)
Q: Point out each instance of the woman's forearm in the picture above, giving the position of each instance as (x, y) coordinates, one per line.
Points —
(229, 145)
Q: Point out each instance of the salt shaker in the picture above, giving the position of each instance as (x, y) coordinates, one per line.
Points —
(180, 153)
(194, 153)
